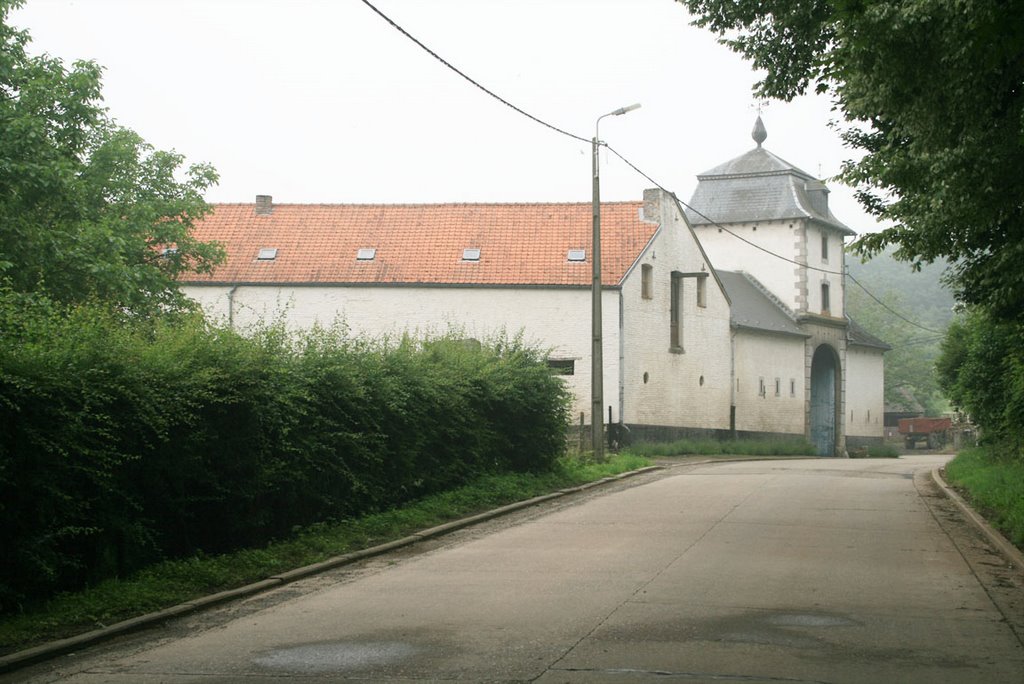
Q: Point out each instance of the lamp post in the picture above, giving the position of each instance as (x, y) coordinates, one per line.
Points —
(596, 354)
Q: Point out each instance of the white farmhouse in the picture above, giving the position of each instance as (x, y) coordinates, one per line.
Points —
(689, 349)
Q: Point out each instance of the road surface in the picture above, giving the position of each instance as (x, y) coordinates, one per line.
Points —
(774, 571)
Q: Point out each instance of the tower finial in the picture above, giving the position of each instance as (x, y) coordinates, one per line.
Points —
(759, 134)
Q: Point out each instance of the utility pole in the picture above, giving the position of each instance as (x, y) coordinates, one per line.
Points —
(596, 353)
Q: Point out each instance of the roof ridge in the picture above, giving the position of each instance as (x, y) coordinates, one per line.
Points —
(430, 204)
(769, 295)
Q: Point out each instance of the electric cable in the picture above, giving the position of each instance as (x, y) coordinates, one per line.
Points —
(633, 166)
(463, 75)
(718, 225)
(891, 310)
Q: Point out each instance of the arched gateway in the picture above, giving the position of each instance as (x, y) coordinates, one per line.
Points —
(824, 393)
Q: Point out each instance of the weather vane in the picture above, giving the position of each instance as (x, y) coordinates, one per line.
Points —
(760, 106)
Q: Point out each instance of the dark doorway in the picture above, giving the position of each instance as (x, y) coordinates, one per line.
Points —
(824, 381)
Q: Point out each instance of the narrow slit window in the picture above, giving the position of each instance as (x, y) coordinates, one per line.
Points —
(702, 292)
(647, 281)
(676, 316)
(824, 246)
(826, 305)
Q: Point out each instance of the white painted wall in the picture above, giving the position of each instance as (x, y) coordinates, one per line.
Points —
(831, 270)
(728, 253)
(865, 395)
(555, 319)
(688, 389)
(765, 357)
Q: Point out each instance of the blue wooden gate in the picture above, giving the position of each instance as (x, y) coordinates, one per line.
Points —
(823, 401)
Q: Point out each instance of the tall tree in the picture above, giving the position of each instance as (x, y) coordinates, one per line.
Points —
(88, 209)
(933, 91)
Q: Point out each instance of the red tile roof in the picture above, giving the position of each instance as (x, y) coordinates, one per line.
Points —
(520, 244)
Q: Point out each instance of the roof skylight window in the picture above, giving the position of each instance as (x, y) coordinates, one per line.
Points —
(366, 254)
(577, 255)
(471, 254)
(267, 254)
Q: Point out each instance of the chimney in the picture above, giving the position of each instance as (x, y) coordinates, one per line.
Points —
(652, 205)
(817, 193)
(264, 205)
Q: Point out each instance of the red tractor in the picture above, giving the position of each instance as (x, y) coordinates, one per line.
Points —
(934, 431)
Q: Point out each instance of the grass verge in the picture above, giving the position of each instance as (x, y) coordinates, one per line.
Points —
(711, 447)
(173, 582)
(994, 485)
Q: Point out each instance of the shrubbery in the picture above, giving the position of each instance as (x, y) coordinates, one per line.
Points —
(129, 441)
(981, 368)
(736, 447)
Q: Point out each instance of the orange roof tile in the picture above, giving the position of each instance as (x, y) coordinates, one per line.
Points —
(520, 244)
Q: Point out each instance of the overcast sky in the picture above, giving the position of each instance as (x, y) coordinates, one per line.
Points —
(322, 101)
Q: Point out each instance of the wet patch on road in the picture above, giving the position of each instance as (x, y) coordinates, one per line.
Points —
(338, 656)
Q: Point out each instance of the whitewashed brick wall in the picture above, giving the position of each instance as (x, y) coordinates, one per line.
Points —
(763, 358)
(865, 396)
(555, 319)
(687, 389)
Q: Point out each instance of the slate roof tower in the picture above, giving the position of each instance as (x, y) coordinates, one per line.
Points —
(765, 218)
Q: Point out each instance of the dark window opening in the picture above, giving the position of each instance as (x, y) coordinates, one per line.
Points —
(676, 316)
(646, 281)
(562, 366)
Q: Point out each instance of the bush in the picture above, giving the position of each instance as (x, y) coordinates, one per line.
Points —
(129, 441)
(711, 447)
(981, 368)
(882, 451)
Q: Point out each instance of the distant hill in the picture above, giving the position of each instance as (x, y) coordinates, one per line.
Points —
(918, 308)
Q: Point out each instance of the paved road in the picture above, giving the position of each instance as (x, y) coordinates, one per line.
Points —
(777, 571)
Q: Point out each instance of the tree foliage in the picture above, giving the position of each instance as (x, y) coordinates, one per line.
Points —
(89, 210)
(981, 368)
(934, 93)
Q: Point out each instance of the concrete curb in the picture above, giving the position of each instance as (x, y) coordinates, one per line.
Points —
(1012, 553)
(19, 659)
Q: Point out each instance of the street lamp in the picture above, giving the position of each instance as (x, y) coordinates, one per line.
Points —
(596, 355)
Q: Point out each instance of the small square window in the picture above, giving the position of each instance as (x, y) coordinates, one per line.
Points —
(471, 254)
(562, 366)
(577, 255)
(366, 254)
(267, 254)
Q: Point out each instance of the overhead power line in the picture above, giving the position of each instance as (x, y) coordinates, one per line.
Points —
(635, 168)
(490, 92)
(891, 310)
(768, 251)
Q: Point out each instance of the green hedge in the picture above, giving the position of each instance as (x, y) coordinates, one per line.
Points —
(127, 442)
